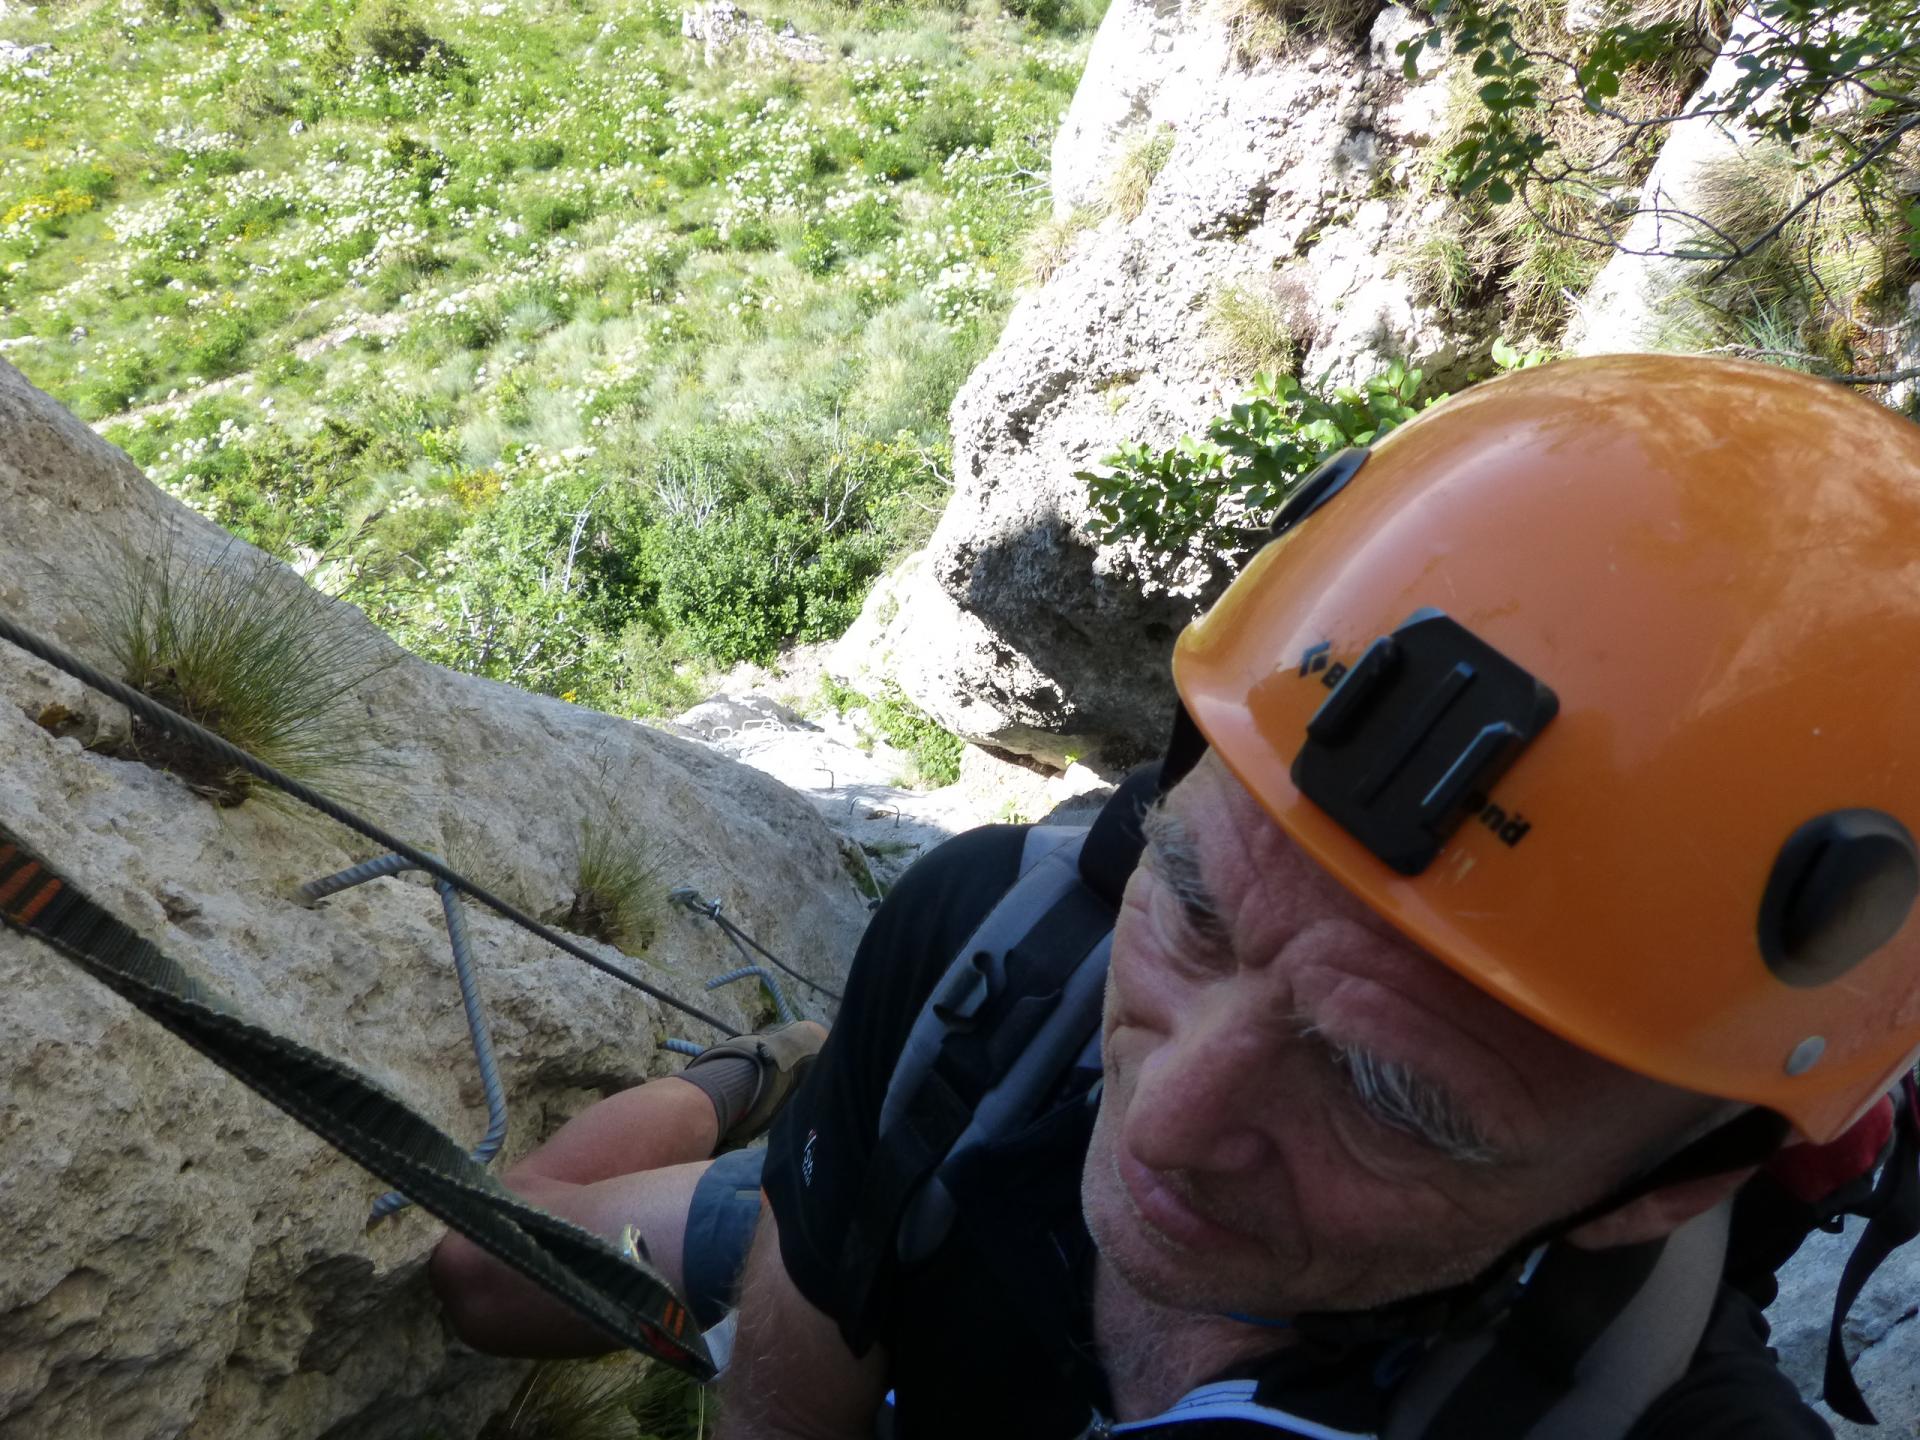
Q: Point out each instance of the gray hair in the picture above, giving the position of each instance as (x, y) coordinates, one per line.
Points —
(1403, 1099)
(1175, 858)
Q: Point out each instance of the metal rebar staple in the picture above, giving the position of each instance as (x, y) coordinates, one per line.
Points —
(489, 1146)
(780, 1006)
(690, 898)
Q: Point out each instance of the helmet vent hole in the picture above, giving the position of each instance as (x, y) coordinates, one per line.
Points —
(1844, 885)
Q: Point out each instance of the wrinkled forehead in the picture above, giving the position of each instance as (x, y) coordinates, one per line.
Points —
(1329, 951)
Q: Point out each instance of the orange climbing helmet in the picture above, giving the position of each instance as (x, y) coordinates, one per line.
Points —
(1601, 681)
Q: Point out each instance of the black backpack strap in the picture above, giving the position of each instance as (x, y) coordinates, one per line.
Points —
(992, 1004)
(1893, 1219)
(1003, 1026)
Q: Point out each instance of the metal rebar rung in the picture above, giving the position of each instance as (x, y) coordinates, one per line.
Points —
(388, 865)
(780, 1006)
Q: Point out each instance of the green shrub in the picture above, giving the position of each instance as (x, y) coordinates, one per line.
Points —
(789, 547)
(542, 153)
(654, 675)
(280, 491)
(89, 178)
(750, 233)
(390, 32)
(868, 222)
(246, 650)
(215, 347)
(816, 252)
(902, 724)
(193, 14)
(114, 385)
(894, 159)
(537, 587)
(1044, 13)
(1205, 491)
(468, 325)
(936, 752)
(950, 121)
(550, 214)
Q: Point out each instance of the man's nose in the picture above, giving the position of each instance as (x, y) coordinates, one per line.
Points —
(1199, 1100)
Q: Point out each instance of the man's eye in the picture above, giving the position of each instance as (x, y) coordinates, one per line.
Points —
(1183, 937)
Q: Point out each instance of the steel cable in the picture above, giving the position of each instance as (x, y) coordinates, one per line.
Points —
(181, 728)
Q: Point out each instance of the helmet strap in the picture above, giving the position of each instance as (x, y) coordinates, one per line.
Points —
(1748, 1139)
(1185, 746)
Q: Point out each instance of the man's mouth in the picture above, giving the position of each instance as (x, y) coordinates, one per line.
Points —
(1164, 1211)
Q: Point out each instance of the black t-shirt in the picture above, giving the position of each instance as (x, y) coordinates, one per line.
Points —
(991, 1336)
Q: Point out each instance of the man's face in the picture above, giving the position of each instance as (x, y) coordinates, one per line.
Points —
(1302, 1110)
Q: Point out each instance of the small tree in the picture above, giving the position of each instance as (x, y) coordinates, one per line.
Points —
(1834, 85)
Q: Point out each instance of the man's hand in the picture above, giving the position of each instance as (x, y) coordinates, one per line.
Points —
(792, 1377)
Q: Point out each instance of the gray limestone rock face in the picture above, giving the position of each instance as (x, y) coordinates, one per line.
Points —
(1882, 1333)
(1629, 306)
(1015, 628)
(181, 1257)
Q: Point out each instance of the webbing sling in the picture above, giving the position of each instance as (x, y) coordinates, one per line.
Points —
(1893, 1220)
(624, 1297)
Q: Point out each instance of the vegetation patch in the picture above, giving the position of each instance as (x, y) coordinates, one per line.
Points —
(619, 893)
(1811, 278)
(1258, 325)
(1052, 241)
(621, 1397)
(1216, 493)
(1142, 157)
(1264, 29)
(936, 752)
(236, 645)
(1551, 133)
(575, 365)
(1531, 248)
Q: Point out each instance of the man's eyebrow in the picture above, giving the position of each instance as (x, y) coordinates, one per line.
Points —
(1176, 860)
(1402, 1098)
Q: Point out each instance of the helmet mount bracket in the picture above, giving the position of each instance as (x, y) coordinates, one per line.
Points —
(1423, 723)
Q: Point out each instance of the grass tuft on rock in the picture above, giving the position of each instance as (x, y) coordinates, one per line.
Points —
(618, 1398)
(1263, 29)
(619, 892)
(1254, 327)
(237, 644)
(1142, 158)
(1816, 290)
(1051, 243)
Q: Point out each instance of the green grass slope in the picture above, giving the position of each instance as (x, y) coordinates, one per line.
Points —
(577, 363)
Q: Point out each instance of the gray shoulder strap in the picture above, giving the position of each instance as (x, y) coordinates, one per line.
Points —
(1636, 1359)
(1049, 868)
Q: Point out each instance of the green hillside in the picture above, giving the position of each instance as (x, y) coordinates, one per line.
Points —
(576, 362)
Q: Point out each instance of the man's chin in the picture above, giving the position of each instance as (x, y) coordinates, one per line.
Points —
(1153, 1270)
